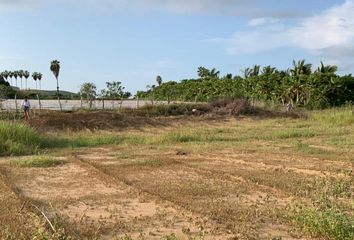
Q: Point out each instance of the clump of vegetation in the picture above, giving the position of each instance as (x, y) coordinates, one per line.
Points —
(38, 161)
(168, 110)
(301, 85)
(231, 106)
(17, 139)
(339, 116)
(329, 223)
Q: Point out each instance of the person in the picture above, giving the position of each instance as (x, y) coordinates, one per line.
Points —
(289, 107)
(26, 107)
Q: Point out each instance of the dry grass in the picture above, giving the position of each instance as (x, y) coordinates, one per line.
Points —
(201, 179)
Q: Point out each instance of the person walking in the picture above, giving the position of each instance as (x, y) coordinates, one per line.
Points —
(26, 107)
(289, 106)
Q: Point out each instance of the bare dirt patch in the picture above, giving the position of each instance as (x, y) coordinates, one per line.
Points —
(92, 206)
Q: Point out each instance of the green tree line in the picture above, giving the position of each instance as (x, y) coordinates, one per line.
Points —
(299, 84)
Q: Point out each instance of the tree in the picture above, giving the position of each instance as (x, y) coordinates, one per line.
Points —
(214, 73)
(15, 74)
(268, 70)
(203, 73)
(88, 91)
(300, 68)
(159, 80)
(20, 75)
(26, 74)
(55, 68)
(115, 90)
(5, 75)
(35, 78)
(39, 77)
(228, 76)
(326, 69)
(11, 74)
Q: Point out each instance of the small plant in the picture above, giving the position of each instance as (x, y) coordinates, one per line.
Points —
(38, 162)
(17, 139)
(330, 223)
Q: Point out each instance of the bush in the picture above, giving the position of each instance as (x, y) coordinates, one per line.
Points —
(231, 106)
(16, 139)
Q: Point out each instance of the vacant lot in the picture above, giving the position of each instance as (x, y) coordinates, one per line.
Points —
(174, 178)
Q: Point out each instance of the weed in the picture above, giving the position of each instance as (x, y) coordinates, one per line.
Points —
(330, 223)
(17, 139)
(38, 161)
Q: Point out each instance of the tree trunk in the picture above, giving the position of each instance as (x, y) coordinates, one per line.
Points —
(120, 104)
(16, 102)
(39, 102)
(58, 95)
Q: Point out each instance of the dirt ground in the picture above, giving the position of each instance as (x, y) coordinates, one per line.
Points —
(154, 189)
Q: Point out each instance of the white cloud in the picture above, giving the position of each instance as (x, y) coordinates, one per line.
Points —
(331, 31)
(255, 22)
(334, 27)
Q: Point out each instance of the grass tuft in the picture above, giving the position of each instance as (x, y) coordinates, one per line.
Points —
(17, 139)
(38, 162)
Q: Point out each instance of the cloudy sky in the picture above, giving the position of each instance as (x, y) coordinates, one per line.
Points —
(132, 41)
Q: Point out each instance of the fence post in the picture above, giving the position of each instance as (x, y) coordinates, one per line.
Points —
(39, 102)
(137, 102)
(16, 103)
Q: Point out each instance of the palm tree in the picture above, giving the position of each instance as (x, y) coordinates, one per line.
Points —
(268, 70)
(255, 71)
(15, 74)
(11, 74)
(159, 80)
(247, 73)
(20, 74)
(214, 73)
(5, 74)
(39, 77)
(326, 68)
(26, 74)
(35, 77)
(55, 68)
(300, 68)
(203, 73)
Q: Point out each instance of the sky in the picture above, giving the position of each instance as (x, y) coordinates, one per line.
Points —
(133, 41)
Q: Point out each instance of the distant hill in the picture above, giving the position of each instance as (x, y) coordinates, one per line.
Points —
(50, 92)
(46, 94)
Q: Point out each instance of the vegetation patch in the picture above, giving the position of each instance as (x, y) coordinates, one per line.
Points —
(328, 224)
(38, 162)
(17, 139)
(305, 148)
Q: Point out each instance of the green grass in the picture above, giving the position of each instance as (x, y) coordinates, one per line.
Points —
(18, 139)
(338, 116)
(37, 162)
(328, 224)
(305, 148)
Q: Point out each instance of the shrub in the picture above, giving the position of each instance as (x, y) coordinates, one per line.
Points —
(16, 139)
(231, 106)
